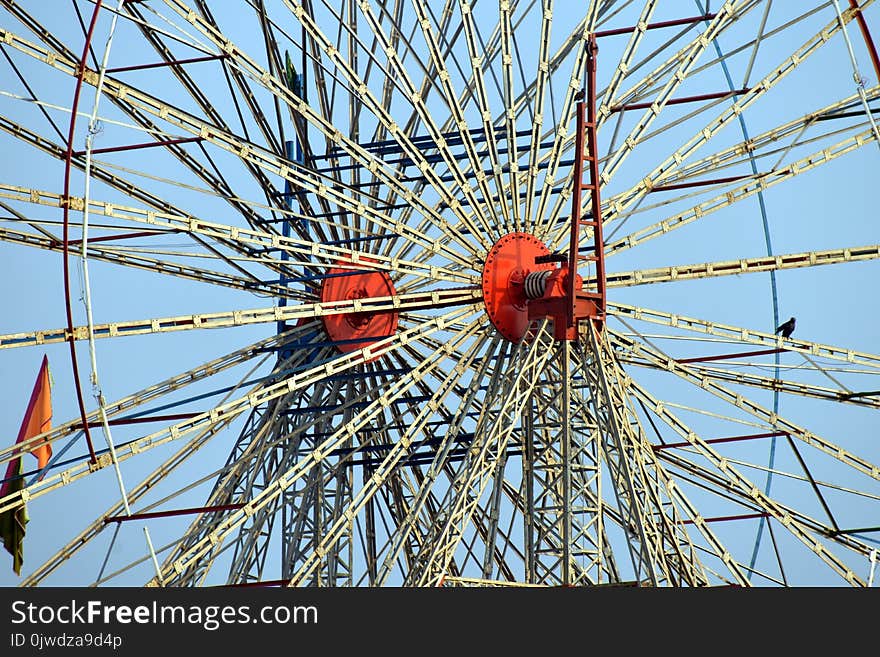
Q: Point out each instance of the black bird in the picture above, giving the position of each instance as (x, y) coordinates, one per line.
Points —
(786, 328)
(580, 95)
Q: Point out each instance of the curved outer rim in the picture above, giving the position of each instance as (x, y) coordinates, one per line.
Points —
(65, 247)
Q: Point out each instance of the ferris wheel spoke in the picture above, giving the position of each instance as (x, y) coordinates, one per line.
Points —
(409, 148)
(805, 477)
(692, 376)
(830, 532)
(399, 41)
(255, 240)
(724, 17)
(457, 113)
(138, 260)
(386, 469)
(413, 122)
(215, 178)
(157, 39)
(157, 390)
(482, 54)
(507, 52)
(666, 553)
(204, 321)
(755, 185)
(625, 64)
(652, 82)
(745, 335)
(210, 109)
(842, 396)
(473, 40)
(494, 429)
(395, 477)
(675, 71)
(307, 462)
(269, 135)
(412, 524)
(438, 141)
(515, 497)
(347, 31)
(156, 478)
(583, 51)
(134, 494)
(263, 449)
(744, 266)
(495, 358)
(115, 181)
(296, 381)
(253, 454)
(624, 67)
(273, 59)
(740, 105)
(248, 152)
(647, 513)
(770, 142)
(689, 472)
(540, 88)
(807, 534)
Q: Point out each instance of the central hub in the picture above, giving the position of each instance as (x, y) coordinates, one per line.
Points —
(523, 282)
(351, 331)
(508, 262)
(359, 321)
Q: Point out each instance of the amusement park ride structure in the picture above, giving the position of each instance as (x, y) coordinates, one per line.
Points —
(452, 395)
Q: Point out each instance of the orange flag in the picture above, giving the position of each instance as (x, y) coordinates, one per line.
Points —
(37, 419)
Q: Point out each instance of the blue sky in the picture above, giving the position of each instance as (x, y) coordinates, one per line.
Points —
(833, 206)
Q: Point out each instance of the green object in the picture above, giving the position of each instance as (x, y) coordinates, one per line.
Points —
(13, 521)
(292, 77)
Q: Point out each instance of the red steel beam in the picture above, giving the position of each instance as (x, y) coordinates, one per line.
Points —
(142, 67)
(148, 144)
(587, 157)
(577, 190)
(684, 99)
(731, 439)
(65, 246)
(745, 516)
(121, 236)
(176, 512)
(655, 26)
(759, 352)
(866, 35)
(700, 183)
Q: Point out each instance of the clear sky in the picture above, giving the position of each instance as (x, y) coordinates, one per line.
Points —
(829, 207)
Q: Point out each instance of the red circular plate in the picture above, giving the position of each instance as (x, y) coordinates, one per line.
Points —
(353, 331)
(509, 261)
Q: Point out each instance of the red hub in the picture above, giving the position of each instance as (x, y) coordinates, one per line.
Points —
(516, 294)
(353, 331)
(509, 261)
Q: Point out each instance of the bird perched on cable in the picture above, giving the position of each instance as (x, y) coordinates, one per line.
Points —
(786, 328)
(580, 95)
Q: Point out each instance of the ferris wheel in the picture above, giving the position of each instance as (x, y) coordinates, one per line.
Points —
(447, 293)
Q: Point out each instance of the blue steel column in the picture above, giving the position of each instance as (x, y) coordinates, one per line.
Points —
(293, 151)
